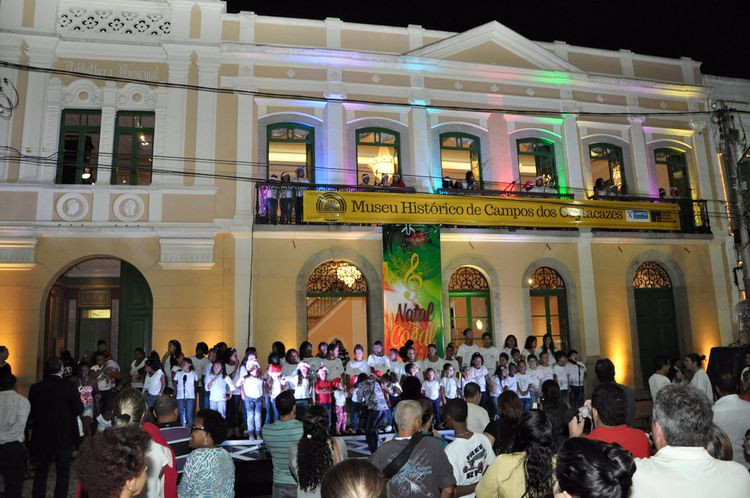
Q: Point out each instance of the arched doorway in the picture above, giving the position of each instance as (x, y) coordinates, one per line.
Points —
(337, 304)
(656, 319)
(99, 299)
(469, 302)
(549, 307)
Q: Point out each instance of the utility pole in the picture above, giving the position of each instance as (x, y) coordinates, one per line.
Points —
(733, 152)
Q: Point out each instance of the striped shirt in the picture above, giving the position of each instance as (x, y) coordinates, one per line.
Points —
(278, 437)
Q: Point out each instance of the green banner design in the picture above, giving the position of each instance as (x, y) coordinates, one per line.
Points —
(412, 287)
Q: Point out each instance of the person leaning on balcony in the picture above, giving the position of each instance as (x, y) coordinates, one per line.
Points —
(398, 182)
(471, 182)
(599, 187)
(384, 180)
(299, 194)
(272, 201)
(286, 197)
(447, 182)
(365, 180)
(539, 185)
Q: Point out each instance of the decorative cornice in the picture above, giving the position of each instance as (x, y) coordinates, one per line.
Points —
(17, 254)
(190, 254)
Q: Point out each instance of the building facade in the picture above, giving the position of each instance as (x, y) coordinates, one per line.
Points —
(138, 200)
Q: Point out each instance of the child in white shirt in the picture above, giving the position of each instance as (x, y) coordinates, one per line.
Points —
(250, 383)
(545, 368)
(431, 389)
(448, 383)
(339, 399)
(560, 371)
(220, 387)
(535, 379)
(523, 386)
(184, 384)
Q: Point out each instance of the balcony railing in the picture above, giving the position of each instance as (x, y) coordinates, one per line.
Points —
(281, 203)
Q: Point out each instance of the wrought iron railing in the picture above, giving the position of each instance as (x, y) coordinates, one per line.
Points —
(505, 193)
(693, 212)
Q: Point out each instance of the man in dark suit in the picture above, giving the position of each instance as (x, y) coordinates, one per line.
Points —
(55, 406)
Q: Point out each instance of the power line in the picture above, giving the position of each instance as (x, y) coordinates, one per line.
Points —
(275, 95)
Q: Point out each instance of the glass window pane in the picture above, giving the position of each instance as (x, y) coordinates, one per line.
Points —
(376, 160)
(72, 119)
(301, 134)
(90, 157)
(599, 169)
(555, 324)
(538, 325)
(148, 120)
(70, 158)
(660, 156)
(662, 176)
(125, 120)
(458, 305)
(387, 138)
(286, 157)
(279, 133)
(94, 119)
(525, 147)
(537, 305)
(455, 163)
(467, 142)
(367, 137)
(553, 305)
(479, 307)
(450, 142)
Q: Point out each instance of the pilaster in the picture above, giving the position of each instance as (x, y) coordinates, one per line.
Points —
(645, 182)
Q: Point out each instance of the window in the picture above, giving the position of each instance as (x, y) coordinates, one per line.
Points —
(606, 164)
(290, 146)
(78, 152)
(134, 148)
(469, 301)
(549, 307)
(671, 171)
(459, 154)
(378, 153)
(536, 157)
(651, 275)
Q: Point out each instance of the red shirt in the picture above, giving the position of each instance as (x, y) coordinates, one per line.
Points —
(633, 440)
(324, 398)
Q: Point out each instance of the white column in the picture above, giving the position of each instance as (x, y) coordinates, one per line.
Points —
(107, 134)
(243, 211)
(174, 126)
(333, 32)
(721, 271)
(335, 126)
(243, 256)
(501, 168)
(205, 144)
(590, 319)
(702, 161)
(645, 182)
(34, 113)
(419, 147)
(574, 170)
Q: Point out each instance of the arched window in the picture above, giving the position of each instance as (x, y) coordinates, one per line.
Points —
(672, 171)
(549, 306)
(651, 275)
(337, 304)
(459, 154)
(536, 157)
(469, 301)
(290, 146)
(378, 153)
(606, 163)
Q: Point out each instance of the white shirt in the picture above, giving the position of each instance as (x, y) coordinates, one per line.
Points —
(157, 457)
(251, 386)
(301, 390)
(102, 424)
(702, 382)
(354, 368)
(397, 367)
(339, 397)
(14, 411)
(732, 414)
(465, 352)
(688, 471)
(420, 368)
(134, 367)
(576, 373)
(470, 458)
(550, 354)
(200, 366)
(490, 355)
(431, 389)
(545, 373)
(522, 381)
(184, 384)
(335, 368)
(562, 376)
(152, 384)
(477, 418)
(479, 375)
(105, 382)
(656, 383)
(436, 365)
(450, 387)
(221, 386)
(381, 363)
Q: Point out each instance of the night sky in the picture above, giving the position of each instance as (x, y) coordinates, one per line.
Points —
(715, 32)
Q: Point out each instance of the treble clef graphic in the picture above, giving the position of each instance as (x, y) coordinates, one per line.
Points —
(411, 279)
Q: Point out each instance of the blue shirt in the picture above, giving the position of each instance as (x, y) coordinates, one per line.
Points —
(209, 472)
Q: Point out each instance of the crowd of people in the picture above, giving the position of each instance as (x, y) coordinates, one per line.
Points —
(517, 421)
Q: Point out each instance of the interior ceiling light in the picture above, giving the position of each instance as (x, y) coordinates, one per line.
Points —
(348, 274)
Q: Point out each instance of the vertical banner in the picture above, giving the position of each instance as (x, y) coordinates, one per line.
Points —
(412, 287)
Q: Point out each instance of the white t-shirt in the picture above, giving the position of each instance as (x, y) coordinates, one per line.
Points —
(477, 418)
(656, 383)
(436, 365)
(490, 355)
(450, 387)
(470, 458)
(184, 384)
(431, 389)
(302, 390)
(335, 368)
(479, 376)
(576, 373)
(102, 424)
(105, 382)
(510, 383)
(562, 376)
(397, 367)
(152, 383)
(354, 368)
(233, 371)
(339, 397)
(251, 386)
(465, 352)
(314, 363)
(134, 367)
(550, 353)
(522, 384)
(702, 382)
(200, 366)
(381, 363)
(535, 379)
(221, 386)
(545, 374)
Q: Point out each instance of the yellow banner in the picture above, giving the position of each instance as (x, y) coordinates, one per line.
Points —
(378, 208)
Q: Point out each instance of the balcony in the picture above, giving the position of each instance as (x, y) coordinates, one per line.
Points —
(277, 204)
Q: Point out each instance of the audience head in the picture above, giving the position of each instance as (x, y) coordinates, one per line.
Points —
(112, 462)
(411, 388)
(609, 404)
(605, 370)
(472, 392)
(165, 409)
(4, 353)
(509, 406)
(534, 437)
(428, 412)
(209, 429)
(408, 417)
(682, 416)
(661, 364)
(314, 456)
(201, 349)
(455, 411)
(693, 361)
(7, 382)
(53, 366)
(285, 403)
(353, 478)
(726, 385)
(718, 444)
(129, 408)
(593, 469)
(550, 393)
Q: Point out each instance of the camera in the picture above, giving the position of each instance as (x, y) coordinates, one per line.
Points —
(585, 411)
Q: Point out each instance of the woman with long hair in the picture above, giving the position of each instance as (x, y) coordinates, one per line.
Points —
(528, 470)
(315, 453)
(548, 346)
(169, 360)
(502, 432)
(593, 469)
(354, 478)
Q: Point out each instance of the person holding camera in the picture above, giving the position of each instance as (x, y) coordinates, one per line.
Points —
(608, 410)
